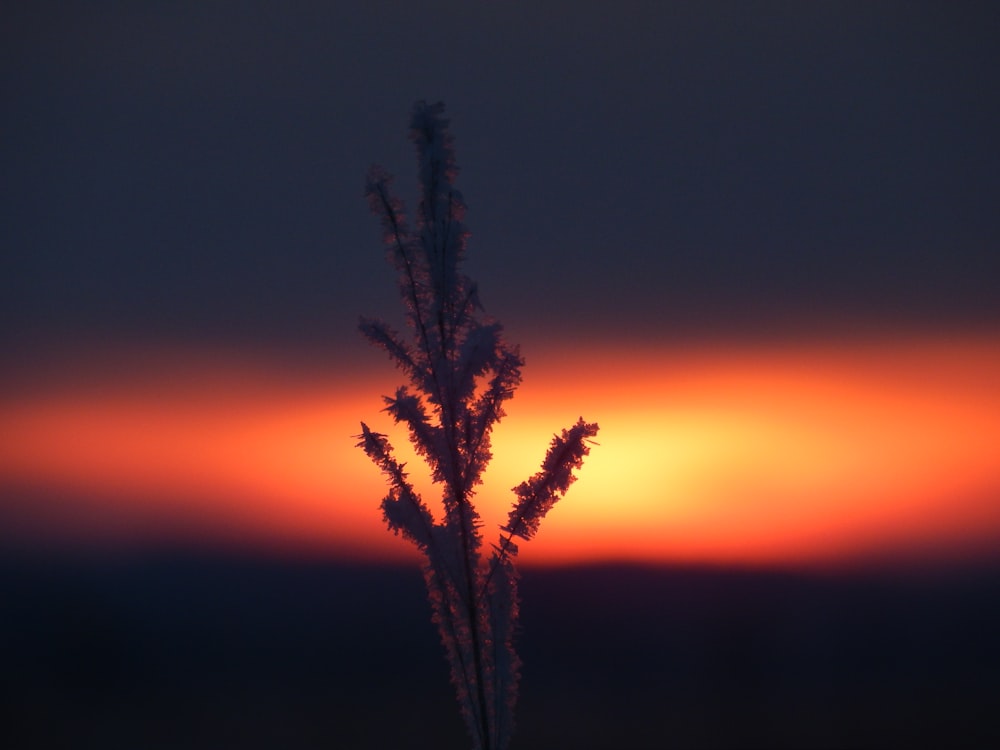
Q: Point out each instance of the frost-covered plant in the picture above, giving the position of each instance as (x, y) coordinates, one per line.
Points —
(460, 373)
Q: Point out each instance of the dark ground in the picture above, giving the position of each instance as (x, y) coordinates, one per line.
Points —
(185, 651)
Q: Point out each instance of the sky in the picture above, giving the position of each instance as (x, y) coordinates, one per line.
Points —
(757, 242)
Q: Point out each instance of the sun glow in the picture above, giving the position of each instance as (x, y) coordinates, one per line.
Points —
(752, 455)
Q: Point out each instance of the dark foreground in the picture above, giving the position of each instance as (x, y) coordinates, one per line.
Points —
(191, 652)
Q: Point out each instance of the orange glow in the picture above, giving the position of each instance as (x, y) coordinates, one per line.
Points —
(732, 454)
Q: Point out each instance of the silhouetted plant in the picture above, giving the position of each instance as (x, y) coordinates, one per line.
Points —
(460, 373)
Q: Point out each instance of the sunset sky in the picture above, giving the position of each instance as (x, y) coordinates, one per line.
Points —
(758, 243)
(824, 454)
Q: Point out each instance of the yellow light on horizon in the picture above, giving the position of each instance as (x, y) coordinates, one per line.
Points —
(738, 455)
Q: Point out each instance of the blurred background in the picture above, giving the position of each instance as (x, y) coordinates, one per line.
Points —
(170, 651)
(756, 242)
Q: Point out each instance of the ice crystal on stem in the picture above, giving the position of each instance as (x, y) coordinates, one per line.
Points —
(460, 373)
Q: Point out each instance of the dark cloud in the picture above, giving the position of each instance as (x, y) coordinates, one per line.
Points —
(195, 171)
